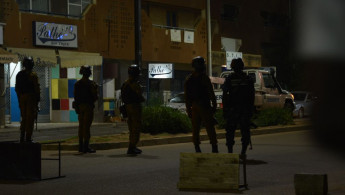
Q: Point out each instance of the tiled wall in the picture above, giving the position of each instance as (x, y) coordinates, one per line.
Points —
(62, 87)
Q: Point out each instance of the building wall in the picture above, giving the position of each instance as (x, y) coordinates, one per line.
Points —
(107, 28)
(263, 27)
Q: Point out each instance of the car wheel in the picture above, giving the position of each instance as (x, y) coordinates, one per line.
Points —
(301, 113)
(289, 105)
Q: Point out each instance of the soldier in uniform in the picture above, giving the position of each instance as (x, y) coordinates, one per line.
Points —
(201, 103)
(238, 105)
(131, 95)
(85, 96)
(28, 92)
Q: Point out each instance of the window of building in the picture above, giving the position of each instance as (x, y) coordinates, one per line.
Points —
(172, 17)
(73, 8)
(274, 19)
(230, 12)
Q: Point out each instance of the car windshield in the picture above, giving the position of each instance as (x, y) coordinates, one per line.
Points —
(178, 99)
(299, 96)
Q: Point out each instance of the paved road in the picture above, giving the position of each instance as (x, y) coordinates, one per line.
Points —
(273, 163)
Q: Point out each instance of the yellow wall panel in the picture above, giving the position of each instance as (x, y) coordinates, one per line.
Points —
(55, 88)
(106, 106)
(63, 88)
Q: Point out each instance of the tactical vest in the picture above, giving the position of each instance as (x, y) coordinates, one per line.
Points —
(196, 90)
(23, 83)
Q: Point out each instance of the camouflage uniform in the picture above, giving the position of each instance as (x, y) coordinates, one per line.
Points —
(28, 92)
(85, 95)
(131, 95)
(199, 94)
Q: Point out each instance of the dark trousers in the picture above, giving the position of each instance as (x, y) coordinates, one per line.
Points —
(232, 122)
(134, 113)
(85, 118)
(203, 114)
(28, 111)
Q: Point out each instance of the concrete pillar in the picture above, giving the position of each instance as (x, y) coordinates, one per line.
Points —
(2, 96)
(315, 184)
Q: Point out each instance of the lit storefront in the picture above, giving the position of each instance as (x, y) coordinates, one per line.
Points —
(57, 69)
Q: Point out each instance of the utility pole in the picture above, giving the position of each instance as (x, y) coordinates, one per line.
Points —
(137, 19)
(209, 42)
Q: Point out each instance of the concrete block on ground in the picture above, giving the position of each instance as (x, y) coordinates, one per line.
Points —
(313, 184)
(209, 172)
(20, 161)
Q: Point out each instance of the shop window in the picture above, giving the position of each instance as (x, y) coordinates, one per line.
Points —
(72, 8)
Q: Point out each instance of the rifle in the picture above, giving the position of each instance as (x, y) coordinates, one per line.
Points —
(37, 111)
(250, 139)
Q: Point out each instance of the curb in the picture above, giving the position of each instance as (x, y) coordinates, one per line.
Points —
(175, 140)
(52, 127)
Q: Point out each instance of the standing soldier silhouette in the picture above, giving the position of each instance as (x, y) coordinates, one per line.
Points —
(199, 95)
(131, 95)
(85, 95)
(238, 105)
(28, 92)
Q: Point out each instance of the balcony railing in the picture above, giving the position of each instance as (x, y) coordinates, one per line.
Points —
(172, 27)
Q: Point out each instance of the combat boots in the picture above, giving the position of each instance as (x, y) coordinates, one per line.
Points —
(87, 149)
(81, 145)
(22, 135)
(134, 151)
(214, 148)
(197, 148)
(244, 149)
(230, 150)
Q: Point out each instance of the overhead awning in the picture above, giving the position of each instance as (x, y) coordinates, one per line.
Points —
(7, 57)
(40, 56)
(68, 59)
(76, 59)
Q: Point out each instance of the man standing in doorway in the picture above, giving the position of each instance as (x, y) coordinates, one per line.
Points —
(85, 96)
(28, 92)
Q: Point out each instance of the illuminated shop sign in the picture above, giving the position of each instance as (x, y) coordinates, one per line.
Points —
(230, 56)
(55, 35)
(1, 35)
(160, 71)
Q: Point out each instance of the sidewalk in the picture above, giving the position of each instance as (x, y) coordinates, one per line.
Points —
(51, 132)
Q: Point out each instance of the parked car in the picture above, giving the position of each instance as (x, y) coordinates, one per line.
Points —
(178, 102)
(304, 101)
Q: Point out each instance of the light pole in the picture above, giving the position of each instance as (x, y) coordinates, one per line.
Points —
(137, 19)
(209, 42)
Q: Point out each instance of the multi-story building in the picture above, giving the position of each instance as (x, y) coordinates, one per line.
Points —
(63, 35)
(259, 31)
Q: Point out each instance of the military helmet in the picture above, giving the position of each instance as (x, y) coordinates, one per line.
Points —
(28, 63)
(134, 70)
(198, 63)
(237, 64)
(85, 70)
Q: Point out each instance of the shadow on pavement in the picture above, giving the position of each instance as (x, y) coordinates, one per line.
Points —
(142, 156)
